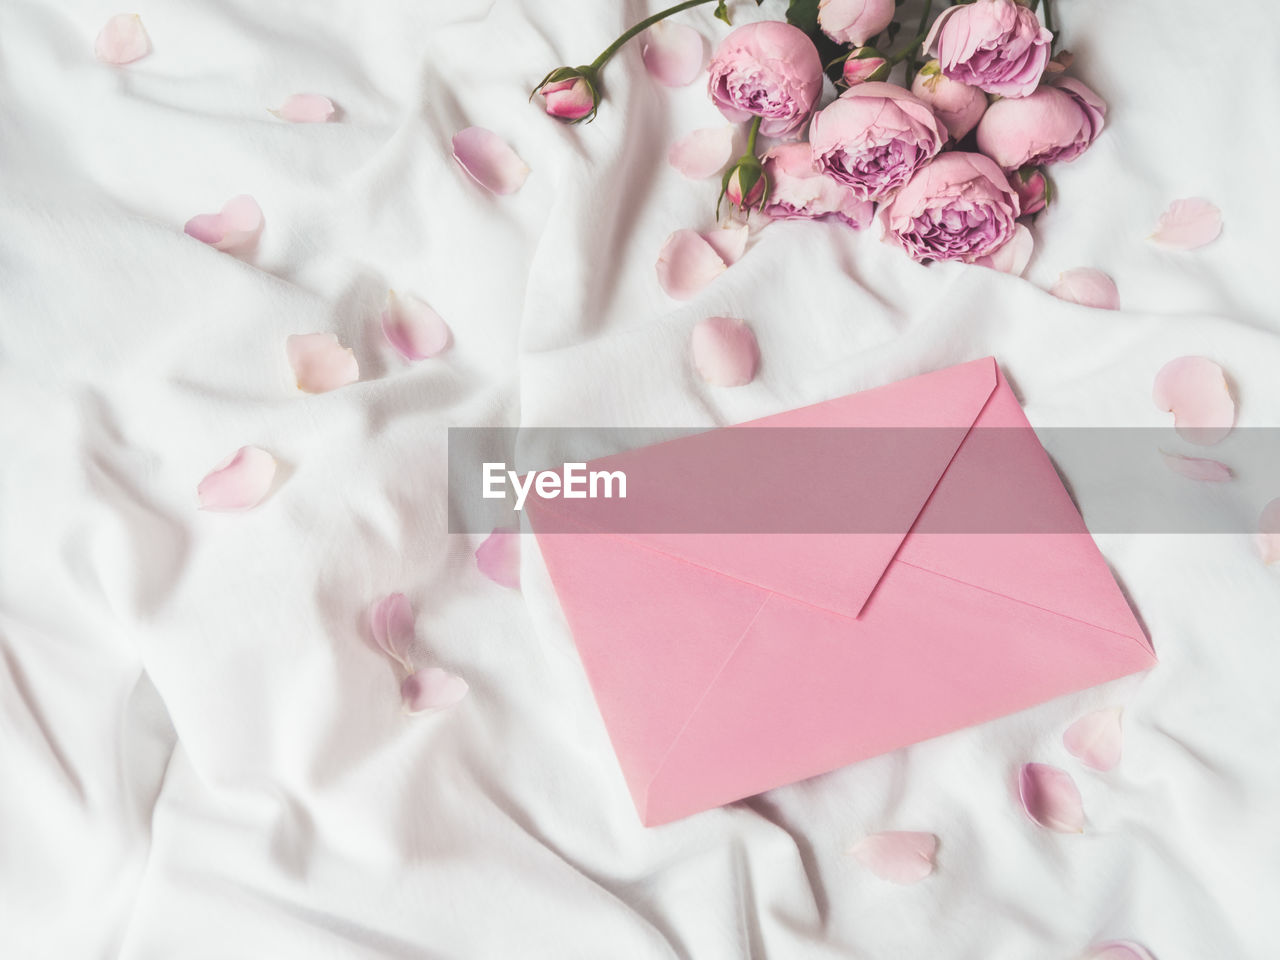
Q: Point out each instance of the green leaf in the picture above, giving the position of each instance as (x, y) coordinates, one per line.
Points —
(722, 12)
(804, 14)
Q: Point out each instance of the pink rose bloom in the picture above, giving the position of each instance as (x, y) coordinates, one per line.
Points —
(799, 191)
(874, 137)
(996, 45)
(854, 21)
(769, 70)
(958, 105)
(1053, 125)
(959, 207)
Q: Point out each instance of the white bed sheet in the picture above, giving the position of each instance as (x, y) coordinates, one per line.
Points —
(200, 758)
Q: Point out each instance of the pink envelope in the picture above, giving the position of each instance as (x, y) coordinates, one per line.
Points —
(726, 664)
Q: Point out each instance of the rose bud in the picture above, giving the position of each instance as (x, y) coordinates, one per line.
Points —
(769, 70)
(958, 105)
(1053, 125)
(865, 64)
(854, 21)
(570, 94)
(745, 185)
(996, 45)
(1033, 189)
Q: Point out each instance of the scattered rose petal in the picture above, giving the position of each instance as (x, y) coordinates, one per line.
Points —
(729, 242)
(1195, 391)
(239, 482)
(498, 558)
(1051, 798)
(320, 363)
(1095, 739)
(123, 40)
(1188, 224)
(234, 229)
(725, 352)
(391, 623)
(1013, 257)
(413, 327)
(431, 689)
(1119, 950)
(687, 263)
(1197, 468)
(703, 153)
(673, 53)
(1089, 288)
(489, 160)
(899, 856)
(1267, 539)
(305, 108)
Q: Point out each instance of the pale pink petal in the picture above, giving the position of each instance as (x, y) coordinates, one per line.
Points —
(123, 40)
(899, 856)
(498, 558)
(1089, 288)
(305, 108)
(1267, 539)
(1051, 798)
(431, 689)
(206, 227)
(239, 482)
(234, 228)
(320, 362)
(673, 53)
(1197, 468)
(1188, 224)
(1195, 391)
(489, 160)
(1014, 255)
(729, 242)
(1095, 739)
(1118, 950)
(725, 352)
(703, 153)
(413, 327)
(687, 263)
(391, 623)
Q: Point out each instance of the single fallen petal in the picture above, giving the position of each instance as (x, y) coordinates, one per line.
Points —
(391, 623)
(703, 153)
(1195, 391)
(235, 228)
(1090, 288)
(899, 856)
(413, 327)
(1267, 539)
(1118, 950)
(687, 263)
(673, 53)
(1095, 739)
(1014, 255)
(725, 352)
(1188, 224)
(123, 40)
(489, 160)
(320, 362)
(729, 242)
(239, 482)
(431, 689)
(498, 558)
(305, 108)
(1051, 798)
(1197, 468)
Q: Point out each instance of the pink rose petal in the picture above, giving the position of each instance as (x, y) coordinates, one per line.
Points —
(305, 108)
(239, 482)
(1267, 539)
(729, 242)
(673, 53)
(234, 229)
(1188, 224)
(1095, 739)
(1197, 468)
(123, 40)
(725, 352)
(431, 689)
(320, 363)
(1118, 950)
(687, 263)
(391, 623)
(1195, 391)
(1050, 798)
(413, 327)
(489, 160)
(898, 856)
(498, 558)
(703, 153)
(1089, 288)
(1014, 255)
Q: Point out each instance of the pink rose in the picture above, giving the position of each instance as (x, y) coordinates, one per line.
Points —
(854, 21)
(874, 137)
(799, 191)
(769, 70)
(958, 105)
(996, 45)
(864, 64)
(1053, 125)
(959, 207)
(570, 94)
(1033, 189)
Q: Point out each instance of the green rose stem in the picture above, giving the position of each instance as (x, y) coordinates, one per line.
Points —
(644, 24)
(751, 137)
(908, 52)
(1048, 24)
(755, 172)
